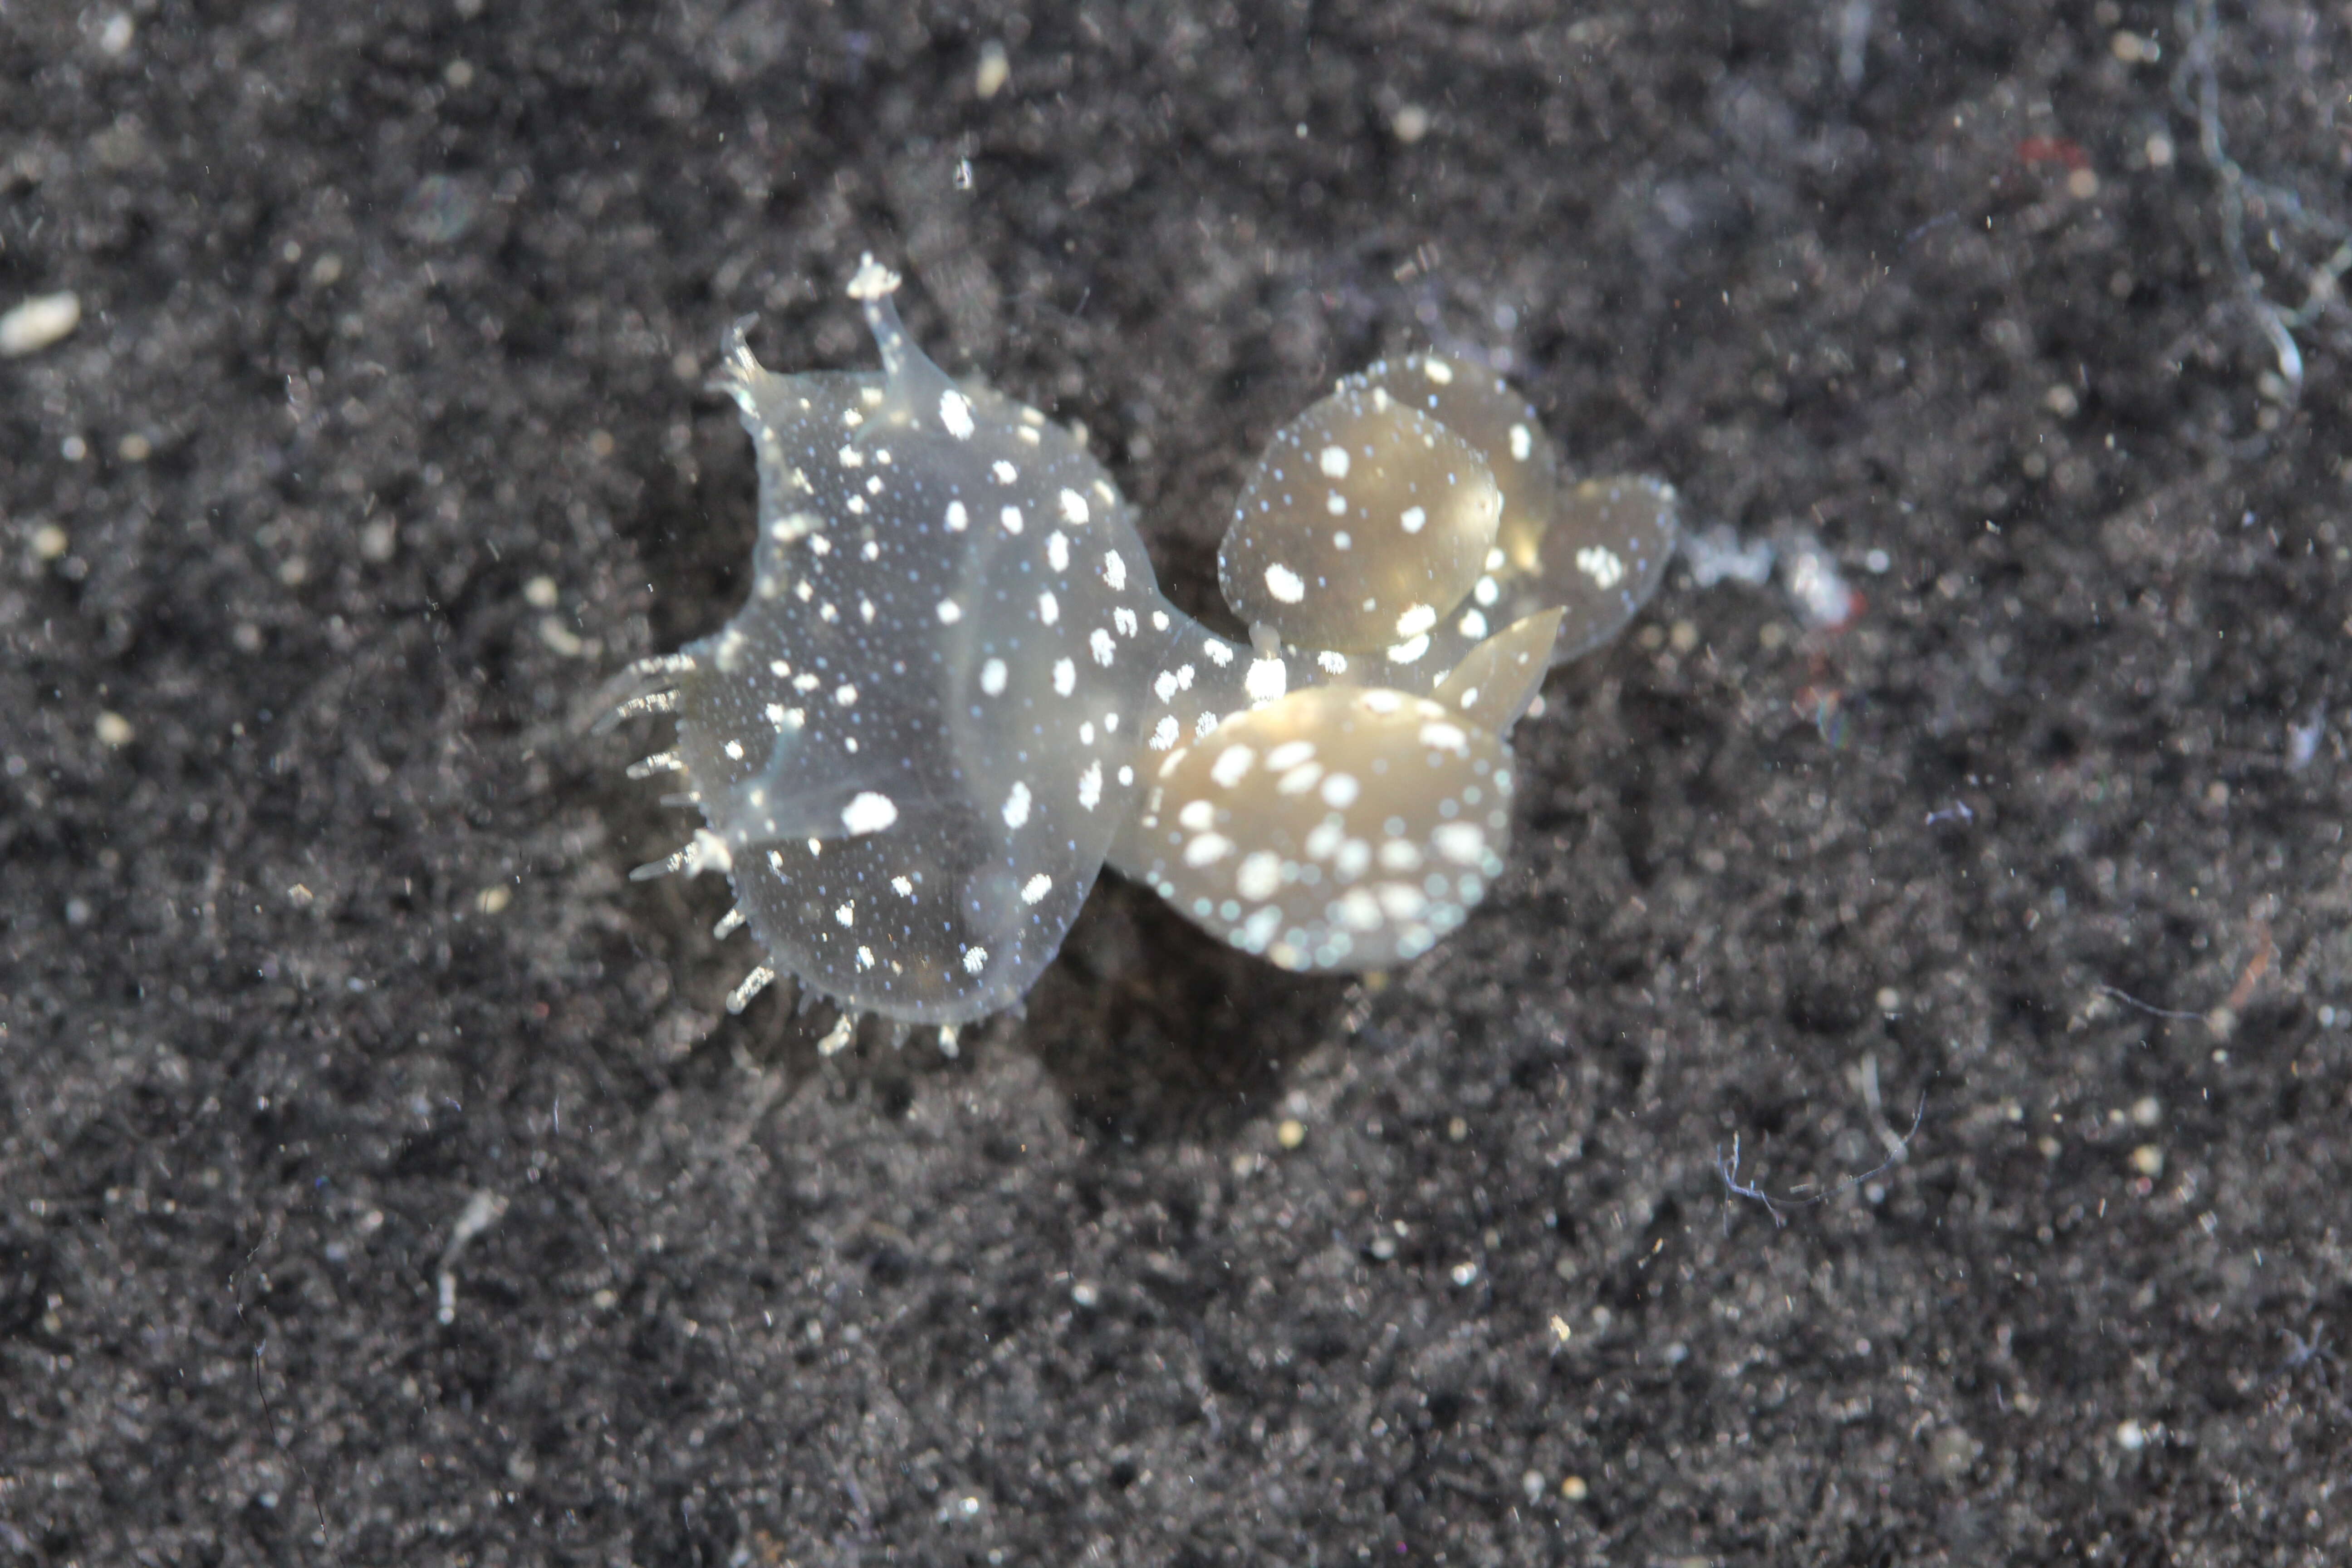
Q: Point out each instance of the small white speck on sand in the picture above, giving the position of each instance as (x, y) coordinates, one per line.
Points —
(37, 323)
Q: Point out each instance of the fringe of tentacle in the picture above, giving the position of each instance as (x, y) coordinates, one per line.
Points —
(649, 686)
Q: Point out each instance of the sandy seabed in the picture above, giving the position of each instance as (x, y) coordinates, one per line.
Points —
(381, 1180)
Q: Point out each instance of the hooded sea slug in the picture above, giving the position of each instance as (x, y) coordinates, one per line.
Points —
(956, 690)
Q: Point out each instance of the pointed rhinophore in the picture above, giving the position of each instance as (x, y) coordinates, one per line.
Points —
(1495, 681)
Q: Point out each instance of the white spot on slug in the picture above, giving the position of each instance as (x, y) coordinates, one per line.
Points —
(1354, 856)
(955, 413)
(1463, 843)
(1299, 780)
(1260, 876)
(1409, 652)
(869, 812)
(1207, 849)
(1233, 764)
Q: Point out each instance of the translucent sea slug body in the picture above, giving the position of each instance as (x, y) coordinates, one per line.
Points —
(956, 690)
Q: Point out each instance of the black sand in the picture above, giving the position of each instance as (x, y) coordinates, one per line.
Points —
(381, 442)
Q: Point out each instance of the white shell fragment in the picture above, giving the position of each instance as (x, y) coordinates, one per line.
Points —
(36, 323)
(956, 692)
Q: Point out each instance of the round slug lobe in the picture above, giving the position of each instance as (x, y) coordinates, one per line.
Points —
(1363, 523)
(1605, 554)
(1340, 828)
(1480, 407)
